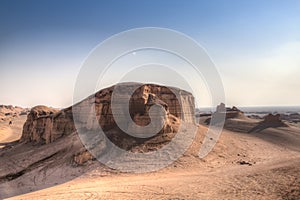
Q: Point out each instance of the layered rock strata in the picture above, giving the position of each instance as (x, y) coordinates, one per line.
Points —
(45, 125)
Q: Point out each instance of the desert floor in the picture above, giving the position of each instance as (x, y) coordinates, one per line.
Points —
(241, 166)
(9, 133)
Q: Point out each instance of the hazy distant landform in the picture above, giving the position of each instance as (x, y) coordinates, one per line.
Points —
(256, 157)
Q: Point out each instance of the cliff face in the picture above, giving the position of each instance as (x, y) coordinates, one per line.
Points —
(45, 125)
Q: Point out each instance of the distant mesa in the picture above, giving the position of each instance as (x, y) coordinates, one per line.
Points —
(225, 112)
(8, 112)
(236, 120)
(273, 120)
(292, 118)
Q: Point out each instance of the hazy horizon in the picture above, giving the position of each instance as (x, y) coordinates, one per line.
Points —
(255, 45)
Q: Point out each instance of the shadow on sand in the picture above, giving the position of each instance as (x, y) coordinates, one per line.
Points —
(262, 126)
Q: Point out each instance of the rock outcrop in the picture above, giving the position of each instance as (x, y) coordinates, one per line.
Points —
(45, 125)
(227, 113)
(234, 112)
(273, 120)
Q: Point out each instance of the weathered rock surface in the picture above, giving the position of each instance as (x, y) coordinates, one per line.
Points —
(45, 125)
(82, 157)
(140, 102)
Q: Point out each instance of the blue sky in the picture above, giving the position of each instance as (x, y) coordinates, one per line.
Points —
(255, 44)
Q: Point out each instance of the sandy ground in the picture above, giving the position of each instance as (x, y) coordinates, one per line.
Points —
(241, 166)
(10, 133)
(238, 183)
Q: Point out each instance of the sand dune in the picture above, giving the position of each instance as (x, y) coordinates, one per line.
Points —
(241, 166)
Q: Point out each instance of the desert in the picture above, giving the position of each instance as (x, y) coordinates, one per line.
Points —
(254, 158)
(142, 100)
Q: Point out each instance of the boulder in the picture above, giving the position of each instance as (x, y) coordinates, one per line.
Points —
(82, 157)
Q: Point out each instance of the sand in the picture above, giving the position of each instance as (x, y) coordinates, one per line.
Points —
(13, 132)
(241, 166)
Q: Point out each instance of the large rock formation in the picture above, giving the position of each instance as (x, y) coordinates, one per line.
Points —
(45, 125)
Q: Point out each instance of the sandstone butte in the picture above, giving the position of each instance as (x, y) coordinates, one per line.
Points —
(45, 125)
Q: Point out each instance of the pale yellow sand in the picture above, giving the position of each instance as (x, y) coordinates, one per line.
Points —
(10, 133)
(275, 174)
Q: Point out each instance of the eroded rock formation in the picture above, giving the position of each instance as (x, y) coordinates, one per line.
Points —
(45, 125)
(226, 113)
(273, 120)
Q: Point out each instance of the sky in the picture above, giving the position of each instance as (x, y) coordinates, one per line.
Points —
(254, 44)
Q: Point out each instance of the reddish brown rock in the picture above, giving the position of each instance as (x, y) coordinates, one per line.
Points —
(45, 125)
